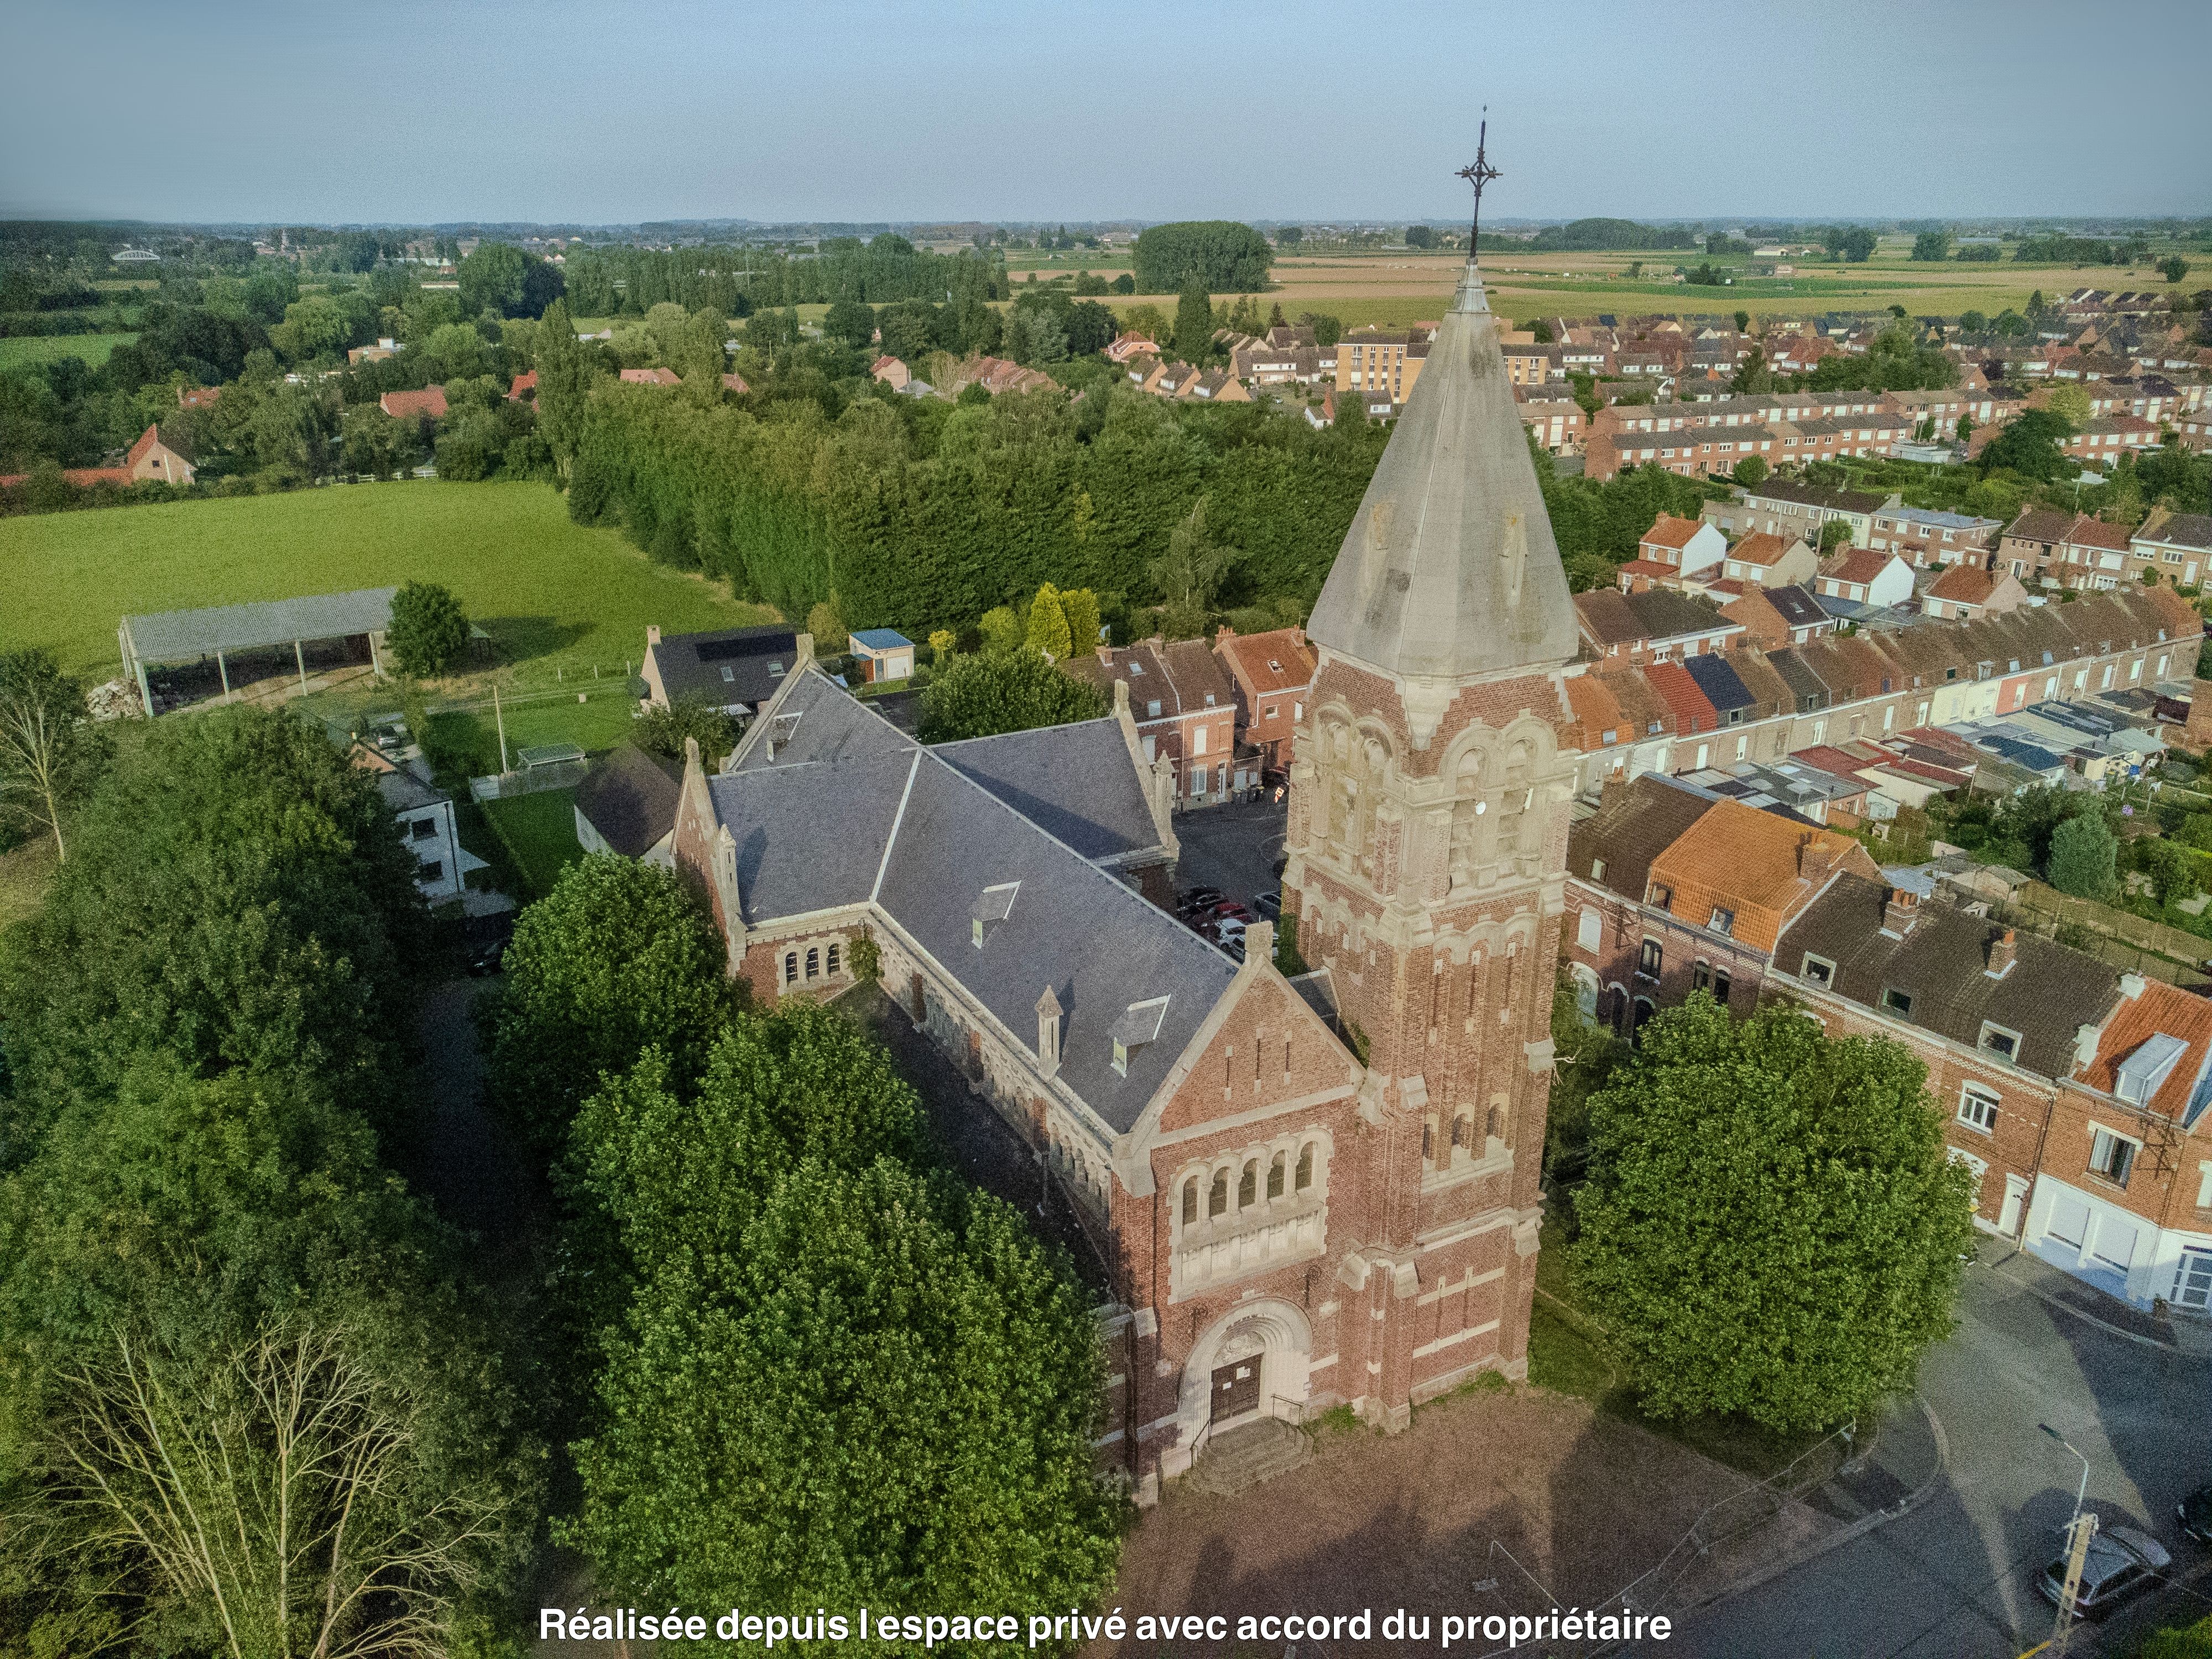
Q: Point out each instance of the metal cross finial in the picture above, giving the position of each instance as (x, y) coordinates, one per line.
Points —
(1479, 175)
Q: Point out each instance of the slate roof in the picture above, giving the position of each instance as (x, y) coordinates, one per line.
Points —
(1613, 618)
(2181, 530)
(1723, 687)
(852, 810)
(693, 664)
(1798, 607)
(630, 797)
(404, 792)
(1076, 782)
(1942, 963)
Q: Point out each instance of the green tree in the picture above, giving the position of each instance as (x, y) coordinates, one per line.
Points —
(2082, 854)
(237, 895)
(869, 1357)
(1743, 322)
(994, 691)
(1048, 629)
(1752, 375)
(2029, 445)
(615, 957)
(1193, 324)
(1971, 322)
(703, 358)
(1328, 330)
(1931, 245)
(1289, 235)
(851, 321)
(1834, 534)
(1001, 630)
(1190, 573)
(1770, 1228)
(1218, 255)
(2172, 870)
(2071, 404)
(661, 730)
(1080, 606)
(2173, 267)
(1751, 471)
(564, 376)
(429, 629)
(507, 282)
(51, 752)
(1420, 236)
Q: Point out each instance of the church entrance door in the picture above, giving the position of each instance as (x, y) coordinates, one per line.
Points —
(1236, 1389)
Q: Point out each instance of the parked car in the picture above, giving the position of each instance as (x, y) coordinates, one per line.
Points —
(1197, 898)
(2120, 1561)
(2195, 1514)
(1269, 905)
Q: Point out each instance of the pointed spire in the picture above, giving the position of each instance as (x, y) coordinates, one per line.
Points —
(1449, 570)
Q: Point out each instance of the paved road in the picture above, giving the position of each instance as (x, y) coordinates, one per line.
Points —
(1232, 848)
(1953, 1579)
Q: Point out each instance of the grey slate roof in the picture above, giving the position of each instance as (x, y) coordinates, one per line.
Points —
(174, 636)
(1942, 963)
(1074, 781)
(1633, 825)
(1799, 608)
(692, 665)
(1449, 567)
(630, 797)
(852, 808)
(1724, 688)
(404, 792)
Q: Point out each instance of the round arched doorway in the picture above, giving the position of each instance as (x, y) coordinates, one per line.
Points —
(1251, 1363)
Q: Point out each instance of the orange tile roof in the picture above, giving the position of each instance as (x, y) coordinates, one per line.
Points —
(402, 405)
(1278, 660)
(1667, 531)
(1963, 584)
(2159, 1008)
(1749, 861)
(1759, 548)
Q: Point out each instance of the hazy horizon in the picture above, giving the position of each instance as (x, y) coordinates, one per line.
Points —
(863, 112)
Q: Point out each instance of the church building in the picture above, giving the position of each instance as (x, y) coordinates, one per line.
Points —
(1309, 1191)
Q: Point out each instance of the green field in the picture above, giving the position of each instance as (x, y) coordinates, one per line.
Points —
(18, 350)
(548, 591)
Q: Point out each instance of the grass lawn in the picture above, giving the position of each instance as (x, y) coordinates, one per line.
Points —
(548, 592)
(539, 833)
(25, 872)
(472, 732)
(20, 350)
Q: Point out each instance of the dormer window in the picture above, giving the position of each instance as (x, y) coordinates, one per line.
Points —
(1139, 1023)
(1723, 919)
(993, 905)
(729, 675)
(1998, 1041)
(775, 670)
(1274, 667)
(1136, 668)
(780, 730)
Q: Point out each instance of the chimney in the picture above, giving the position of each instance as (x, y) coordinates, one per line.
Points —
(1900, 911)
(1816, 858)
(1048, 1047)
(1223, 634)
(2004, 950)
(653, 633)
(1121, 697)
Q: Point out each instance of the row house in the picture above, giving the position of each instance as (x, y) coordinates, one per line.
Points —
(1532, 364)
(1780, 507)
(1673, 888)
(2103, 437)
(1655, 625)
(1379, 360)
(1773, 617)
(2074, 1094)
(1557, 423)
(1878, 684)
(2195, 432)
(1942, 409)
(1866, 575)
(1184, 705)
(1271, 675)
(1923, 537)
(2176, 546)
(1964, 592)
(2050, 548)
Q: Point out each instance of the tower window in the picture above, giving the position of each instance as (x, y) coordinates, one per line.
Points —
(813, 963)
(1190, 1201)
(1217, 1198)
(1248, 1186)
(1275, 1176)
(790, 966)
(1305, 1178)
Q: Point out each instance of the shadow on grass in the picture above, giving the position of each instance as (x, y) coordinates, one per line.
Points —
(521, 638)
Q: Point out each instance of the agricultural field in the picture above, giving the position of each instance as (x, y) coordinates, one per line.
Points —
(556, 599)
(18, 351)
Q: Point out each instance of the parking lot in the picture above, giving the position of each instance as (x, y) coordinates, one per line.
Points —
(1231, 848)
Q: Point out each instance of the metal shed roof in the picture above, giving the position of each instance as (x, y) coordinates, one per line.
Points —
(174, 636)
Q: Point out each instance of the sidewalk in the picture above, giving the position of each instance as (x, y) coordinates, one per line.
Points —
(2061, 1290)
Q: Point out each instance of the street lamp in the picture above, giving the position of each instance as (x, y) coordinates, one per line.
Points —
(2081, 1491)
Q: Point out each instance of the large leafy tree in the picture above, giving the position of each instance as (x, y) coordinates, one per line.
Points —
(1193, 324)
(1771, 1227)
(429, 628)
(50, 752)
(843, 1379)
(236, 895)
(2082, 854)
(985, 693)
(618, 956)
(564, 376)
(1220, 255)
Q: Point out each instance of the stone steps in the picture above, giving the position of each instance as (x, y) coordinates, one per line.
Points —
(1243, 1457)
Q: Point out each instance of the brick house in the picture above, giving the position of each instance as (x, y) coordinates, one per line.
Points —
(1672, 889)
(1779, 507)
(1556, 422)
(161, 455)
(1966, 592)
(1655, 625)
(427, 404)
(2176, 546)
(1376, 359)
(1923, 537)
(1271, 675)
(1770, 561)
(734, 670)
(1674, 548)
(1866, 575)
(1185, 709)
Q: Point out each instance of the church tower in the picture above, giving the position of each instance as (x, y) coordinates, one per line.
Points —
(1427, 849)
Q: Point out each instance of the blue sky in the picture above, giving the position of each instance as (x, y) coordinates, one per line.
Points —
(616, 112)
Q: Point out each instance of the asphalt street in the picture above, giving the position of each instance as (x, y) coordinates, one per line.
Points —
(1953, 1578)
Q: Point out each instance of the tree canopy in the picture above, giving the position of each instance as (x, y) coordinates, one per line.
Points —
(980, 694)
(1771, 1226)
(429, 630)
(1220, 255)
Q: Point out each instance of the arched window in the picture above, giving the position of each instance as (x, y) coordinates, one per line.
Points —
(813, 963)
(1190, 1201)
(833, 962)
(1495, 1123)
(1428, 1141)
(1248, 1186)
(1275, 1177)
(1462, 1132)
(790, 966)
(1217, 1199)
(1305, 1167)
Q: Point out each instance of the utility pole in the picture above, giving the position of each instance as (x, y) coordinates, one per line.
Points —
(2081, 1529)
(500, 720)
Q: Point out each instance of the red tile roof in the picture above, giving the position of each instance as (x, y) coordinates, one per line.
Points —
(651, 377)
(1693, 711)
(1963, 584)
(526, 381)
(2159, 1008)
(413, 405)
(1759, 548)
(1667, 531)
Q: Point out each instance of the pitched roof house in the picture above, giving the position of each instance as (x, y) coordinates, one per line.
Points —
(427, 404)
(733, 669)
(1270, 674)
(161, 455)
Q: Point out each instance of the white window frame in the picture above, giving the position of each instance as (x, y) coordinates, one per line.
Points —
(1979, 1107)
(1826, 978)
(1990, 1028)
(2116, 1139)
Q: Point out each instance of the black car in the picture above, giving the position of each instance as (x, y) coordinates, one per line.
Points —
(2195, 1514)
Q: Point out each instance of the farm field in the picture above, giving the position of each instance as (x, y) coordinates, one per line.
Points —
(551, 594)
(18, 350)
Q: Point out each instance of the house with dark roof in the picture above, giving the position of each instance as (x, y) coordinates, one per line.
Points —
(626, 804)
(1185, 710)
(734, 670)
(1655, 625)
(1794, 511)
(2175, 547)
